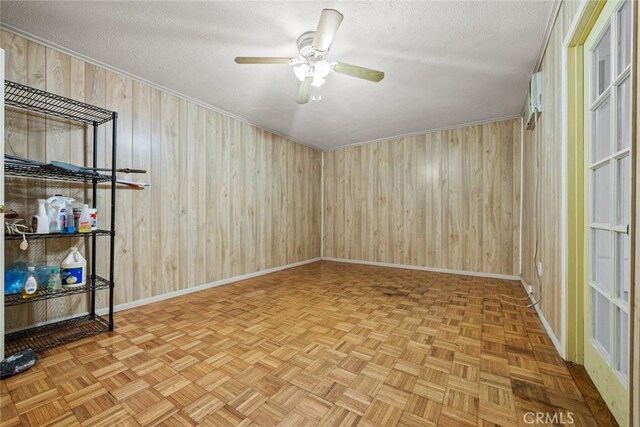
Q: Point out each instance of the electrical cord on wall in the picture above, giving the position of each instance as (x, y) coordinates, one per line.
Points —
(502, 297)
(535, 232)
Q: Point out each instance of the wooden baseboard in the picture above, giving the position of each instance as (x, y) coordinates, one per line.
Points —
(547, 327)
(432, 269)
(144, 301)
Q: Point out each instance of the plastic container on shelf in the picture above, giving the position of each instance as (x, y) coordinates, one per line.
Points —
(30, 288)
(85, 220)
(55, 281)
(73, 269)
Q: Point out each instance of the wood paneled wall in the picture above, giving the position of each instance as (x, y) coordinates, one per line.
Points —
(542, 168)
(447, 199)
(225, 199)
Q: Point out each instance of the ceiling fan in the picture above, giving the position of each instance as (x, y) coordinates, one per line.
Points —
(310, 67)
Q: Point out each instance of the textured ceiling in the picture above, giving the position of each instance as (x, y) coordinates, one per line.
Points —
(445, 63)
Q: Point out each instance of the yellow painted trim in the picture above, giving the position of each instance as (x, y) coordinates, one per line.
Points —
(575, 203)
(575, 182)
(590, 15)
(613, 391)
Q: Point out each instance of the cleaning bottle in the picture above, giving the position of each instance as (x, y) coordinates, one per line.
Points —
(57, 213)
(55, 282)
(30, 287)
(41, 220)
(69, 222)
(85, 220)
(73, 269)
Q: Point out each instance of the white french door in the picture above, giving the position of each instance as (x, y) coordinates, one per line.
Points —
(607, 68)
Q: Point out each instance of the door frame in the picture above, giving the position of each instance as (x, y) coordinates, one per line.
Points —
(574, 190)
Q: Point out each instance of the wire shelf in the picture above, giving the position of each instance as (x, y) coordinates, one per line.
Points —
(56, 235)
(45, 293)
(32, 99)
(37, 171)
(52, 335)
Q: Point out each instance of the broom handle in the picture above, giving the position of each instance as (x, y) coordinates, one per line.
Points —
(124, 170)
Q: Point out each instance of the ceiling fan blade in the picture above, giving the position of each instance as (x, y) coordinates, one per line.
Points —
(262, 60)
(330, 20)
(305, 91)
(359, 72)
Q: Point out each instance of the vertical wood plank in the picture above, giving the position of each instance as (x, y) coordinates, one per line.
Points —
(250, 230)
(119, 93)
(515, 202)
(396, 201)
(155, 176)
(184, 214)
(141, 200)
(506, 196)
(465, 197)
(454, 205)
(201, 173)
(214, 196)
(329, 201)
(383, 219)
(491, 190)
(341, 188)
(431, 188)
(443, 214)
(170, 122)
(190, 193)
(476, 196)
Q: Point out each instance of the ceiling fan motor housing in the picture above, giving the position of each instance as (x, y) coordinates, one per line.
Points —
(305, 46)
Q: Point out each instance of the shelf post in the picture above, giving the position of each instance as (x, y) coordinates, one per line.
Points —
(94, 197)
(114, 139)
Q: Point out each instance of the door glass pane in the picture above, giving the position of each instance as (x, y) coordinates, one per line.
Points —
(623, 134)
(622, 320)
(601, 255)
(624, 36)
(601, 332)
(602, 64)
(624, 267)
(600, 195)
(623, 185)
(601, 144)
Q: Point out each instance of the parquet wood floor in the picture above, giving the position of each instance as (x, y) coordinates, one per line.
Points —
(322, 344)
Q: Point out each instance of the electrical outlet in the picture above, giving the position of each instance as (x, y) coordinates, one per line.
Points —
(530, 288)
(539, 268)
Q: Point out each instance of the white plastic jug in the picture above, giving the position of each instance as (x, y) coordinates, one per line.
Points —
(73, 269)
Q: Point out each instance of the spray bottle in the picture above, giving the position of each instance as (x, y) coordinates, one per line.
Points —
(85, 220)
(57, 213)
(69, 222)
(40, 221)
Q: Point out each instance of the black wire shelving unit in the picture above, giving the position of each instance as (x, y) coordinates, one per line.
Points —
(34, 236)
(42, 172)
(43, 337)
(51, 335)
(95, 284)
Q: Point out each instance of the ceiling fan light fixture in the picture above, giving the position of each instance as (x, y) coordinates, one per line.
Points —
(317, 81)
(321, 68)
(301, 71)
